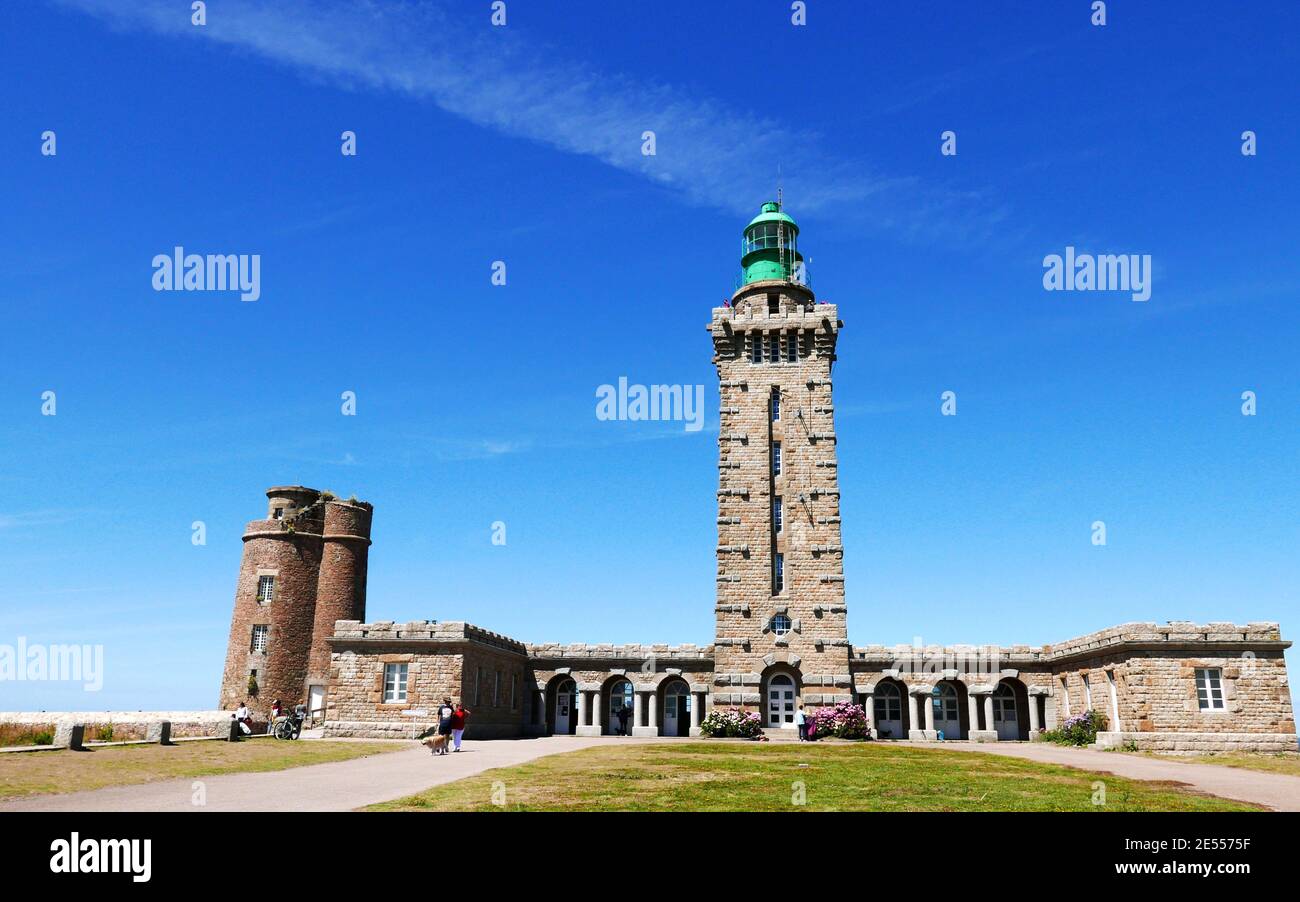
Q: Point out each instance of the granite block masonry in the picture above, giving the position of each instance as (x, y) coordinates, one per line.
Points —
(299, 633)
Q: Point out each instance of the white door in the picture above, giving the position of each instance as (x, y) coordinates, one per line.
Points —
(316, 702)
(780, 702)
(947, 716)
(888, 712)
(677, 712)
(1004, 714)
(563, 710)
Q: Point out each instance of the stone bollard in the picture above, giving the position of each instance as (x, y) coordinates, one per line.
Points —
(70, 736)
(160, 732)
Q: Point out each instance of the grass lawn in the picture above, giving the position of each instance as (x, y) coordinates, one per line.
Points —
(1286, 763)
(716, 776)
(39, 773)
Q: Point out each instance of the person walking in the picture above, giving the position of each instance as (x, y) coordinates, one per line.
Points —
(623, 713)
(801, 721)
(445, 711)
(458, 718)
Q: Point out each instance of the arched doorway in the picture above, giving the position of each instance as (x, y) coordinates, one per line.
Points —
(779, 701)
(565, 706)
(947, 710)
(677, 708)
(618, 719)
(1006, 712)
(887, 714)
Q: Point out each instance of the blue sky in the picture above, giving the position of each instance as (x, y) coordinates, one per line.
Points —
(476, 402)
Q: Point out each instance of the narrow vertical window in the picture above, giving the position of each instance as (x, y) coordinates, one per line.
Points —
(776, 405)
(776, 458)
(778, 519)
(755, 347)
(778, 574)
(496, 690)
(773, 347)
(1087, 693)
(260, 633)
(265, 589)
(478, 685)
(792, 347)
(1065, 697)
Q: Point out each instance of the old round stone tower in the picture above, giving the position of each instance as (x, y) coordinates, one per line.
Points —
(303, 567)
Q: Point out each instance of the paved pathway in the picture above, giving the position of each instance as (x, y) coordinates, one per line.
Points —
(337, 786)
(344, 785)
(1277, 791)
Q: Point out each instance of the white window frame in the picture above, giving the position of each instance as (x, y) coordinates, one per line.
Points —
(774, 406)
(776, 458)
(264, 631)
(265, 588)
(778, 515)
(1065, 696)
(778, 574)
(396, 683)
(776, 631)
(1212, 694)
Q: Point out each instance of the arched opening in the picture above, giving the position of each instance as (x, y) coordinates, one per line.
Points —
(677, 703)
(563, 703)
(618, 708)
(889, 714)
(780, 697)
(1010, 711)
(950, 714)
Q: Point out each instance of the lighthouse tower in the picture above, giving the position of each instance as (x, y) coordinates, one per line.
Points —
(781, 631)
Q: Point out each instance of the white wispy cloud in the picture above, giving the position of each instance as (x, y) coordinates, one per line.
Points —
(710, 152)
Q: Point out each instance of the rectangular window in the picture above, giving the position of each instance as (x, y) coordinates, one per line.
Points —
(1209, 688)
(279, 513)
(773, 300)
(1087, 693)
(755, 347)
(496, 690)
(514, 692)
(773, 347)
(395, 683)
(260, 631)
(776, 406)
(265, 589)
(1065, 697)
(478, 685)
(776, 458)
(792, 347)
(778, 519)
(778, 574)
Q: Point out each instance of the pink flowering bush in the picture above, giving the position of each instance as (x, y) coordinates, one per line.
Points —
(843, 720)
(732, 722)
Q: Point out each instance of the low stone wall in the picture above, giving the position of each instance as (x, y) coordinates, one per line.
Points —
(385, 729)
(1200, 743)
(126, 725)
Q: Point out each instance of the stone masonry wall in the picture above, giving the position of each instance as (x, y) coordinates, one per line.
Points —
(815, 652)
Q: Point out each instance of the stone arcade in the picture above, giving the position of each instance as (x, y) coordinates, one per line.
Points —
(299, 625)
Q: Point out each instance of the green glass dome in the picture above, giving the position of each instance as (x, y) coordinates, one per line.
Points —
(770, 247)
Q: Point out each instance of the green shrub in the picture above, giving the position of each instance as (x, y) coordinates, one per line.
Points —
(1079, 730)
